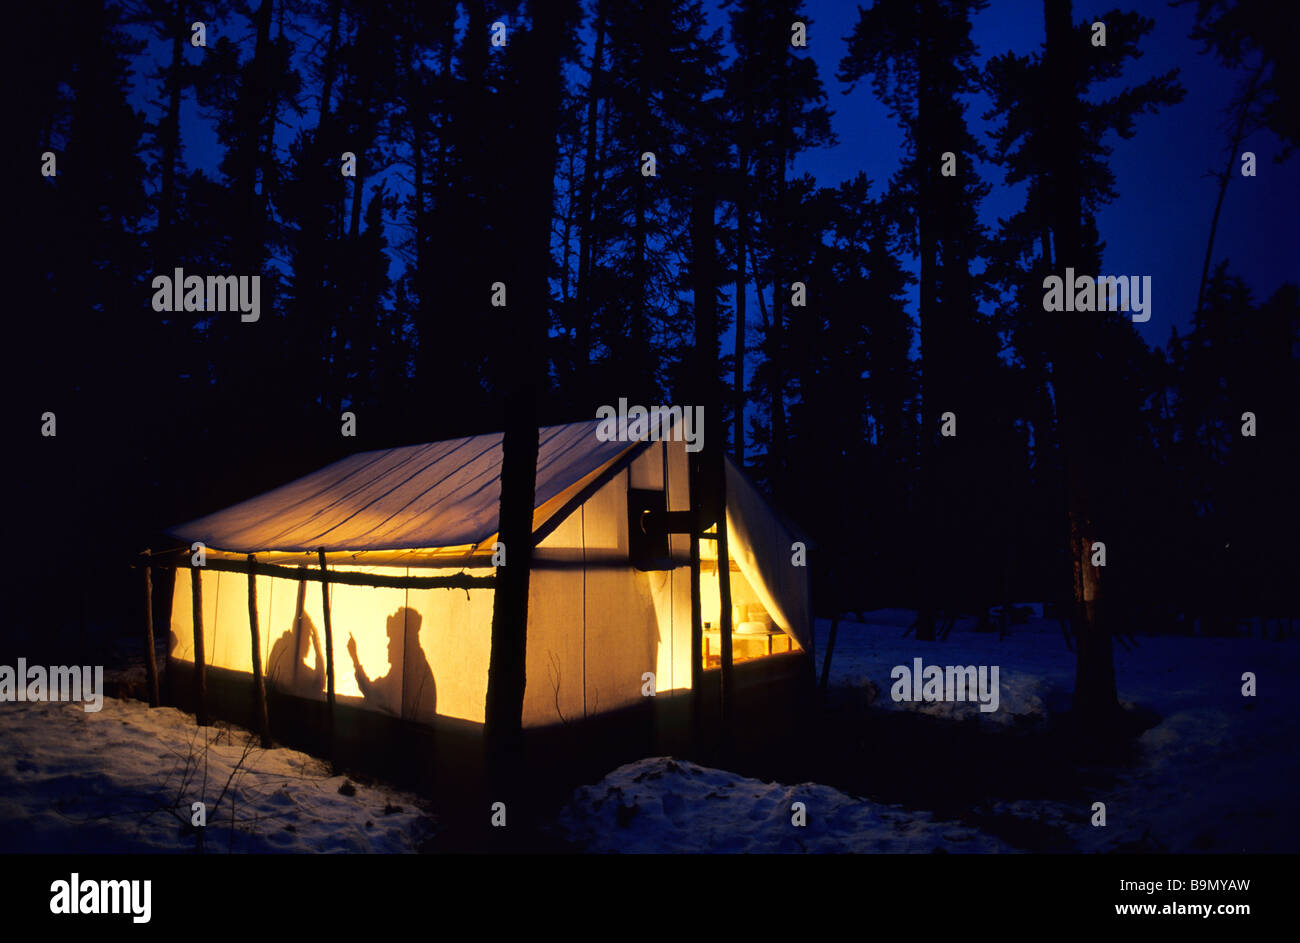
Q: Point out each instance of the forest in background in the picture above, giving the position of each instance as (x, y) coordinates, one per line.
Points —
(523, 164)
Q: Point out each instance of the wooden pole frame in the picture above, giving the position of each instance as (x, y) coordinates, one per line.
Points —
(724, 590)
(830, 650)
(299, 607)
(832, 590)
(329, 651)
(302, 573)
(150, 657)
(259, 684)
(200, 656)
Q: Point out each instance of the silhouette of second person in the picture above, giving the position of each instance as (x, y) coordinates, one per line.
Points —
(409, 682)
(287, 668)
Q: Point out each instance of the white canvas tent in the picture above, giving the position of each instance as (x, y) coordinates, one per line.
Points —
(596, 624)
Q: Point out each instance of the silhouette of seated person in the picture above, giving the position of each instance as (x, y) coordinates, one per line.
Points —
(287, 667)
(409, 682)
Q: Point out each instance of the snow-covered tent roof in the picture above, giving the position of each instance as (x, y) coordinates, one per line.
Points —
(443, 494)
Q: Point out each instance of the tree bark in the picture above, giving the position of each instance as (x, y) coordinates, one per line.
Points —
(150, 657)
(200, 655)
(331, 65)
(171, 134)
(697, 615)
(506, 670)
(259, 684)
(329, 655)
(1095, 700)
(586, 251)
(540, 52)
(709, 394)
(742, 241)
(926, 333)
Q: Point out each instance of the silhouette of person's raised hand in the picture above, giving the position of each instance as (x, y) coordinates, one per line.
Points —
(362, 681)
(408, 689)
(287, 666)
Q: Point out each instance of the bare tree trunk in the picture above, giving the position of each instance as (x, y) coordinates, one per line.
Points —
(742, 241)
(1095, 700)
(329, 655)
(367, 136)
(506, 670)
(265, 111)
(566, 239)
(776, 370)
(743, 204)
(255, 638)
(150, 656)
(171, 131)
(776, 354)
(1242, 105)
(540, 53)
(697, 617)
(830, 650)
(927, 333)
(586, 250)
(713, 456)
(200, 648)
(331, 64)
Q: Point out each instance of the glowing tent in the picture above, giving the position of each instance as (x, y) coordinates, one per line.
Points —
(412, 530)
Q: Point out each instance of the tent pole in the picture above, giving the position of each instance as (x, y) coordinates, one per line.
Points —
(299, 606)
(150, 659)
(724, 589)
(830, 650)
(329, 653)
(299, 574)
(200, 656)
(259, 685)
(168, 676)
(302, 574)
(835, 624)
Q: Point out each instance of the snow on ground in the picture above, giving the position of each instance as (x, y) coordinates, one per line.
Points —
(1216, 773)
(1035, 669)
(124, 780)
(666, 805)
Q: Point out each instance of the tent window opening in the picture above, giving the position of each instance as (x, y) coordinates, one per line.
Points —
(754, 633)
(647, 546)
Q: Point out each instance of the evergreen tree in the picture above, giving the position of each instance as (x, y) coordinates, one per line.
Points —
(540, 59)
(920, 58)
(83, 280)
(656, 67)
(1052, 137)
(777, 108)
(852, 389)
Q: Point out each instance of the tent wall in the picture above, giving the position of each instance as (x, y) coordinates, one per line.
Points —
(225, 618)
(595, 628)
(456, 634)
(664, 466)
(447, 630)
(762, 547)
(553, 691)
(620, 631)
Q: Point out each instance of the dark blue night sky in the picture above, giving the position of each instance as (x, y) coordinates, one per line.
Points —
(1158, 225)
(1160, 222)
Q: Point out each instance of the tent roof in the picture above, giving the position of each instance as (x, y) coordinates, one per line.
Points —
(443, 494)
